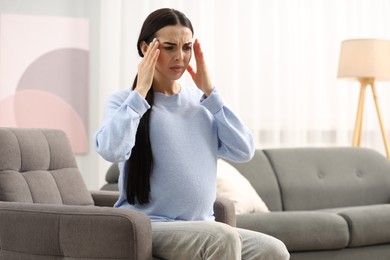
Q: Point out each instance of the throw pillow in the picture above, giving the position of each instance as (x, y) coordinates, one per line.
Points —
(233, 185)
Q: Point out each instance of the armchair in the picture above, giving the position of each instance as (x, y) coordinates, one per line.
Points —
(47, 212)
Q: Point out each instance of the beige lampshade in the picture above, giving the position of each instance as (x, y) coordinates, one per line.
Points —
(365, 58)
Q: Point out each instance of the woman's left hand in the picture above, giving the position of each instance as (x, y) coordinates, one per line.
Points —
(201, 77)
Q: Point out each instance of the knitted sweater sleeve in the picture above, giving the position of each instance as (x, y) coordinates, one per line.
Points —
(235, 140)
(115, 137)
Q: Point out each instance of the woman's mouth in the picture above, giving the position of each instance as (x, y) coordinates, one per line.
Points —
(177, 68)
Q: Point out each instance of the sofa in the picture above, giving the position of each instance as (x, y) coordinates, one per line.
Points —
(323, 202)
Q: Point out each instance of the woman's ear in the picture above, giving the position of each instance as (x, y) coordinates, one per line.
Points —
(144, 47)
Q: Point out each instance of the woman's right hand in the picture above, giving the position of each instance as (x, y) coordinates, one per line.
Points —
(146, 67)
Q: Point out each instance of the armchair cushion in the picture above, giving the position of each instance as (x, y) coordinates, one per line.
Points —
(105, 198)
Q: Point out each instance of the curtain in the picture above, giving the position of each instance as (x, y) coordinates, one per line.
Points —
(275, 62)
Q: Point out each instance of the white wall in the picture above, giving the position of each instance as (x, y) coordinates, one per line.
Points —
(275, 62)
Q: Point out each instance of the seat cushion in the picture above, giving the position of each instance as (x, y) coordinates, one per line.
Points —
(368, 225)
(300, 230)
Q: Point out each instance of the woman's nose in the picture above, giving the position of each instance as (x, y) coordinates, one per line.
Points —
(179, 55)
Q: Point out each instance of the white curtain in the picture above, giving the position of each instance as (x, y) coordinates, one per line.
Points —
(275, 62)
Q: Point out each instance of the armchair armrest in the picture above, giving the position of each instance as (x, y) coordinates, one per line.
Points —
(104, 198)
(223, 207)
(224, 211)
(84, 232)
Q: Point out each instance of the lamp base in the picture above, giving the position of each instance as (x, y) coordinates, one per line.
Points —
(359, 117)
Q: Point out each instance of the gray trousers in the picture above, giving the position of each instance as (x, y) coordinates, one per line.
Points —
(192, 240)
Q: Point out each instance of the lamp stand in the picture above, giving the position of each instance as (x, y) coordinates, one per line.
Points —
(359, 117)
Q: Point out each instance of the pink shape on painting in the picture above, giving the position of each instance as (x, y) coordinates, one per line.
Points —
(40, 109)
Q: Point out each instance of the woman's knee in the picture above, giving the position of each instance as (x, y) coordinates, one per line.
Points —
(222, 233)
(262, 246)
(202, 240)
(275, 249)
(226, 241)
(228, 234)
(279, 250)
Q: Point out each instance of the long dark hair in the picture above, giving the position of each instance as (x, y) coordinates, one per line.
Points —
(140, 162)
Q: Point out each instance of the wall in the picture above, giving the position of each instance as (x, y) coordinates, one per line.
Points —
(275, 62)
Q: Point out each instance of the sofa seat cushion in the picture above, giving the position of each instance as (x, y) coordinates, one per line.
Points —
(300, 230)
(368, 225)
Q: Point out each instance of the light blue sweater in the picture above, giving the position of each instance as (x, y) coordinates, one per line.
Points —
(188, 132)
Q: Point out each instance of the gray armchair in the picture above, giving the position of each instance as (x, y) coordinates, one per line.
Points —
(46, 211)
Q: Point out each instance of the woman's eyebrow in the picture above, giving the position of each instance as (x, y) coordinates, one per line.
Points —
(174, 44)
(170, 43)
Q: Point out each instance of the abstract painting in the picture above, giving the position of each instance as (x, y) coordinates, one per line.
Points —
(44, 64)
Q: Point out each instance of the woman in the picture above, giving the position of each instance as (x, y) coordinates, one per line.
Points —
(166, 139)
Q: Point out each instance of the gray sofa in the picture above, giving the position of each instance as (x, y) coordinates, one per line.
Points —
(325, 203)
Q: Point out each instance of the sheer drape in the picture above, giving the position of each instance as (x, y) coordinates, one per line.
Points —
(275, 61)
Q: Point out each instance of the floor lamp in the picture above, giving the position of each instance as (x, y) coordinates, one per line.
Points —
(367, 60)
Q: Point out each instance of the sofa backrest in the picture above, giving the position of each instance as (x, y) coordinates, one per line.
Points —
(319, 178)
(260, 174)
(38, 166)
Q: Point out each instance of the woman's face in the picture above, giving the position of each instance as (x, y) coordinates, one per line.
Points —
(175, 44)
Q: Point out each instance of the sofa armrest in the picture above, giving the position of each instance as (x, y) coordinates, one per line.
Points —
(104, 198)
(224, 211)
(84, 232)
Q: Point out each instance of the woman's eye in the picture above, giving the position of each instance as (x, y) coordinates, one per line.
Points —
(187, 48)
(168, 48)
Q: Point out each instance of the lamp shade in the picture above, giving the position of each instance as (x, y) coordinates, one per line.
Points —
(365, 58)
